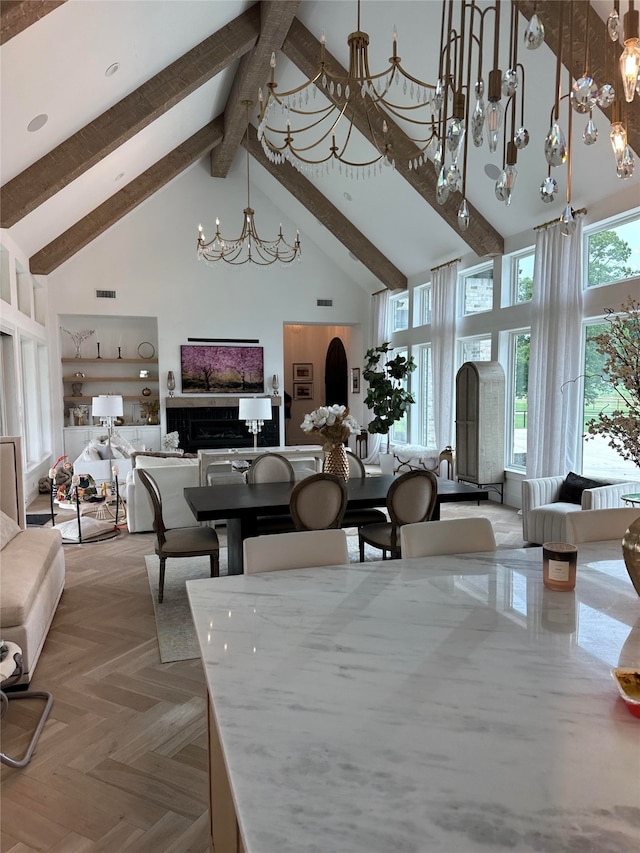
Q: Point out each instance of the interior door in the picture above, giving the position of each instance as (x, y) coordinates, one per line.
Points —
(336, 379)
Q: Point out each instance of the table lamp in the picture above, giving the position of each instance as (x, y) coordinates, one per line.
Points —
(107, 407)
(255, 411)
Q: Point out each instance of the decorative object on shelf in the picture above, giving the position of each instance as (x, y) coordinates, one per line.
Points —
(79, 337)
(149, 411)
(144, 374)
(255, 411)
(146, 350)
(171, 440)
(108, 407)
(631, 553)
(334, 425)
(79, 375)
(222, 369)
(275, 384)
(249, 247)
(171, 383)
(146, 392)
(387, 396)
(80, 414)
(98, 356)
(76, 389)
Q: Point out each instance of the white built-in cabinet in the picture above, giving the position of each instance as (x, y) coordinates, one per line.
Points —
(480, 402)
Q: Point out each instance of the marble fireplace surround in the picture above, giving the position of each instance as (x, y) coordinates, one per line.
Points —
(212, 422)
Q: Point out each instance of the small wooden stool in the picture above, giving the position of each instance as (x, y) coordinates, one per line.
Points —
(362, 441)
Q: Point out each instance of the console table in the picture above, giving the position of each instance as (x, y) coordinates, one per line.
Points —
(294, 453)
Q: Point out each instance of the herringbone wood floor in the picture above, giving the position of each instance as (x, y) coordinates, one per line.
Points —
(122, 763)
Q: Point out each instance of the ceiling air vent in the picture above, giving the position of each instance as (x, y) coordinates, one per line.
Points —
(324, 303)
(105, 294)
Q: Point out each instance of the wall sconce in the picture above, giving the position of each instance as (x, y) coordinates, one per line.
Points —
(255, 411)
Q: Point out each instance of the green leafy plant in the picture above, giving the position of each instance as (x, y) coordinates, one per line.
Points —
(387, 396)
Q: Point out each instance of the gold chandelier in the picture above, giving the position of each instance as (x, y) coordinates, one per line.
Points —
(249, 247)
(316, 138)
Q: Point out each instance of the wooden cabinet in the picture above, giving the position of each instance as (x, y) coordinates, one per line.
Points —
(480, 401)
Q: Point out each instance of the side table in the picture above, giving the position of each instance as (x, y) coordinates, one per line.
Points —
(633, 499)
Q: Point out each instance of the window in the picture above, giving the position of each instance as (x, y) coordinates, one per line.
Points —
(424, 397)
(477, 291)
(422, 305)
(613, 254)
(517, 392)
(522, 278)
(400, 430)
(475, 349)
(399, 310)
(36, 400)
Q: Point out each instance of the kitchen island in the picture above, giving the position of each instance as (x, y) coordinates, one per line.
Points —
(441, 705)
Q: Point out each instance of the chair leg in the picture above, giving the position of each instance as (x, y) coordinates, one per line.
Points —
(30, 694)
(361, 544)
(215, 565)
(163, 561)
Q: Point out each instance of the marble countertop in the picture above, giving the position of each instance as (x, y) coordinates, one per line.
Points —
(447, 705)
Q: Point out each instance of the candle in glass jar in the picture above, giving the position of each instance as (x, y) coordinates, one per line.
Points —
(559, 561)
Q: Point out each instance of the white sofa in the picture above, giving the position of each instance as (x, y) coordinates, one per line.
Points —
(544, 514)
(173, 474)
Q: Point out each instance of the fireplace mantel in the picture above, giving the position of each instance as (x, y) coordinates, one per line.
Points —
(211, 402)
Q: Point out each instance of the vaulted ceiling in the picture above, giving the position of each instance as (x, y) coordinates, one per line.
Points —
(136, 92)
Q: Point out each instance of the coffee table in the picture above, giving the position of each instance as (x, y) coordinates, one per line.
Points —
(241, 504)
(633, 499)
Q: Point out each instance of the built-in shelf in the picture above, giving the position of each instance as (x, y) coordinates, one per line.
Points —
(109, 360)
(139, 398)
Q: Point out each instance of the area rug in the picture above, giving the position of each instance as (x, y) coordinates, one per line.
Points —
(37, 519)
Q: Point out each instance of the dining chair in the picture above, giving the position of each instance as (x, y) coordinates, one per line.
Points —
(449, 536)
(298, 550)
(318, 502)
(358, 517)
(411, 498)
(592, 525)
(270, 468)
(180, 541)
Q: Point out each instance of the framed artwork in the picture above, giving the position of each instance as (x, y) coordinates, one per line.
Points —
(303, 390)
(355, 380)
(302, 372)
(221, 369)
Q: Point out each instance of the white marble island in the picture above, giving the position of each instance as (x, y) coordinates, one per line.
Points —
(447, 706)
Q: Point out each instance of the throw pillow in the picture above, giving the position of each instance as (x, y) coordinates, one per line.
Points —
(90, 454)
(574, 485)
(9, 529)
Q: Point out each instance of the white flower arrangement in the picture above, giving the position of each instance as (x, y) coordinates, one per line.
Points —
(333, 423)
(171, 441)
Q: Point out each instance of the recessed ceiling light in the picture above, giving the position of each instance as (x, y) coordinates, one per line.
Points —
(347, 196)
(112, 69)
(37, 122)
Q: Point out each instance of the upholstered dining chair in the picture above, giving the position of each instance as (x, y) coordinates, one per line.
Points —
(411, 498)
(592, 525)
(358, 517)
(270, 468)
(318, 502)
(449, 536)
(181, 541)
(298, 550)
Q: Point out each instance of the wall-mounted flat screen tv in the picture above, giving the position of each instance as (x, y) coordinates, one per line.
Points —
(222, 369)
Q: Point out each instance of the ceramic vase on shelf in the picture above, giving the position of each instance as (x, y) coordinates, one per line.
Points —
(631, 553)
(336, 462)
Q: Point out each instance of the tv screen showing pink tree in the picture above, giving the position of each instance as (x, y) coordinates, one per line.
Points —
(222, 370)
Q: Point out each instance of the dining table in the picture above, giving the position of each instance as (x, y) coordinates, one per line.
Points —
(241, 504)
(450, 704)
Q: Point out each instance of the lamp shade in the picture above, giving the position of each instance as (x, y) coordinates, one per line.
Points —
(107, 406)
(255, 409)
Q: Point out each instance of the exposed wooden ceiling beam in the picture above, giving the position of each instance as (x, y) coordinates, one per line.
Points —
(88, 146)
(128, 198)
(17, 15)
(253, 72)
(329, 216)
(302, 48)
(603, 53)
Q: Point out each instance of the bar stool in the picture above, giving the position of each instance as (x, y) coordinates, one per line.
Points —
(362, 441)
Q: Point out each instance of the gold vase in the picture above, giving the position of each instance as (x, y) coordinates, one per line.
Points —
(631, 553)
(336, 462)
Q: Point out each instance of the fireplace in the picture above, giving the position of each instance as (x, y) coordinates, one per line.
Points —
(213, 427)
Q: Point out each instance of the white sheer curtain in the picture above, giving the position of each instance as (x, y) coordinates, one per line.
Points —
(380, 332)
(554, 397)
(443, 339)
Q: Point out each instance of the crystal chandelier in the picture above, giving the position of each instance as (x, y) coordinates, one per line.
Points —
(315, 137)
(249, 247)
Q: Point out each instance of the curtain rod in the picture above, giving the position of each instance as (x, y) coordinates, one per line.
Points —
(447, 264)
(557, 219)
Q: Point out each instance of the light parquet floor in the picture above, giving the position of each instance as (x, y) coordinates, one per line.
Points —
(122, 764)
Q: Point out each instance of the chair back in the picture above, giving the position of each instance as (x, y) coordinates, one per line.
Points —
(412, 497)
(318, 502)
(592, 525)
(156, 502)
(356, 466)
(450, 536)
(270, 468)
(298, 550)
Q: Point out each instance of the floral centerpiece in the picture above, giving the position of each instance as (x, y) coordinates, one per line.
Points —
(334, 425)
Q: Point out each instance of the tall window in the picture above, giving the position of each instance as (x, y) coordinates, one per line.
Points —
(613, 254)
(474, 349)
(476, 291)
(517, 392)
(422, 305)
(424, 397)
(399, 309)
(522, 278)
(36, 400)
(400, 430)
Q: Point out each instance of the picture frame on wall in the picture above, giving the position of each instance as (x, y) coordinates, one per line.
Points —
(355, 380)
(303, 390)
(302, 372)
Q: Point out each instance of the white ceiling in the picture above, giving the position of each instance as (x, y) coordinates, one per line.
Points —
(57, 66)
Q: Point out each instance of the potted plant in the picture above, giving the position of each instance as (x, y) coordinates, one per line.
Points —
(387, 396)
